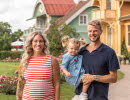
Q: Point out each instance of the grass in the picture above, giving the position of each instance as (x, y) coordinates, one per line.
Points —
(120, 75)
(67, 92)
(8, 68)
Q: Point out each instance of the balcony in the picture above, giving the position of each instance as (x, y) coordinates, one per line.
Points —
(104, 14)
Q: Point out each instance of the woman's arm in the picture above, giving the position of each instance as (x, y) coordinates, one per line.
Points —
(20, 85)
(56, 78)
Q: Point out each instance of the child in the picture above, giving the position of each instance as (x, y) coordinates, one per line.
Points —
(72, 65)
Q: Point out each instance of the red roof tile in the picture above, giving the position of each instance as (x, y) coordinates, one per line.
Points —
(57, 7)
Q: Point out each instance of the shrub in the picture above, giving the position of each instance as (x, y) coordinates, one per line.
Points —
(8, 85)
(11, 54)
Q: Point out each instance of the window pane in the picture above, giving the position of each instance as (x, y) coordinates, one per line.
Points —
(108, 3)
(84, 19)
(129, 28)
(128, 38)
(81, 19)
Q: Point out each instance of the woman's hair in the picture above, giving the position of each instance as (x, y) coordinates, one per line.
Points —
(66, 40)
(28, 50)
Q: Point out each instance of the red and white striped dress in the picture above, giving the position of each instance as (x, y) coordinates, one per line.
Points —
(38, 76)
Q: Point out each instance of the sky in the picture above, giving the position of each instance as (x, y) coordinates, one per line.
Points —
(16, 12)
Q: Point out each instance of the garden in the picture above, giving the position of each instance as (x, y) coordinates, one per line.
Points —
(8, 81)
(9, 62)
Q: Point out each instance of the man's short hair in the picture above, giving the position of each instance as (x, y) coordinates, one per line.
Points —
(96, 23)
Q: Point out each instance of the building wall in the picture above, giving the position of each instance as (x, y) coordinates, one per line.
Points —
(125, 9)
(82, 29)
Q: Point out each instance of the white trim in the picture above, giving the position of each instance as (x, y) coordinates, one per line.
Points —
(83, 20)
(39, 1)
(78, 12)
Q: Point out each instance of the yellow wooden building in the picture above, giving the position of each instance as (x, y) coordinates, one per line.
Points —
(115, 18)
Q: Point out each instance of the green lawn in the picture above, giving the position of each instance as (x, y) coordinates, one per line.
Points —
(66, 90)
(8, 68)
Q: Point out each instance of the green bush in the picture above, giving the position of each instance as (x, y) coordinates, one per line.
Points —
(11, 54)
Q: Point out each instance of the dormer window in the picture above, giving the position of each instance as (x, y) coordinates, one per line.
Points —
(83, 19)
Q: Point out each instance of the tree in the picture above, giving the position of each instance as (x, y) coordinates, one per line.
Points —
(54, 35)
(7, 37)
(16, 35)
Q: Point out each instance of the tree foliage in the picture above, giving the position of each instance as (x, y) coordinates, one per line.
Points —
(7, 37)
(54, 35)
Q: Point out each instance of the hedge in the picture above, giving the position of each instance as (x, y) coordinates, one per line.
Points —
(11, 54)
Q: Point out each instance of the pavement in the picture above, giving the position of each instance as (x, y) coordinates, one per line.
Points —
(121, 89)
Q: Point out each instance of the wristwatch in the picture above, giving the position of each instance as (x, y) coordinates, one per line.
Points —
(96, 77)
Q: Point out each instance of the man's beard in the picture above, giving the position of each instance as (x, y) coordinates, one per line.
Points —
(98, 38)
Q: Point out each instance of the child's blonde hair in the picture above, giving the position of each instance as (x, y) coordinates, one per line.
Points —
(66, 40)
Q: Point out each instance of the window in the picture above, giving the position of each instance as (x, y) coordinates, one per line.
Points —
(108, 3)
(83, 19)
(109, 36)
(129, 35)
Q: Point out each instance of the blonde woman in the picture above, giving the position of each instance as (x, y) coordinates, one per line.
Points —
(39, 75)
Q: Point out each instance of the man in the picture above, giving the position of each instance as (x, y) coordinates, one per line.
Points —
(100, 63)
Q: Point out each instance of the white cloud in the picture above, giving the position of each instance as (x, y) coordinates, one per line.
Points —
(16, 12)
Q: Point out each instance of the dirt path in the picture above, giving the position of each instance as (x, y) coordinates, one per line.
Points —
(121, 89)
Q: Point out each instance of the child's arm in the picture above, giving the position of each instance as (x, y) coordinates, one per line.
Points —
(66, 72)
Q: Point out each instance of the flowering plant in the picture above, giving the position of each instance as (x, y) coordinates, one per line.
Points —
(8, 85)
(9, 59)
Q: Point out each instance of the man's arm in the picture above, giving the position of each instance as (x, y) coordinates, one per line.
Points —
(110, 78)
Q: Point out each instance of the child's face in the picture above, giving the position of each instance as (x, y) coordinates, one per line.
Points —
(73, 49)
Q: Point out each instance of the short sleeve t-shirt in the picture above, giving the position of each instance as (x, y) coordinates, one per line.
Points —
(99, 62)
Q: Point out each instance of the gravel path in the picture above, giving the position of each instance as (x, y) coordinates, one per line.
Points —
(121, 89)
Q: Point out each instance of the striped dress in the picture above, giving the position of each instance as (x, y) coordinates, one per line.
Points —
(38, 76)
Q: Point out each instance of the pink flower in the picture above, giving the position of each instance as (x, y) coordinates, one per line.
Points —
(0, 86)
(16, 72)
(3, 76)
(61, 53)
(75, 59)
(2, 80)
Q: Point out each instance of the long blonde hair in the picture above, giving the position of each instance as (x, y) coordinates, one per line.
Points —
(28, 50)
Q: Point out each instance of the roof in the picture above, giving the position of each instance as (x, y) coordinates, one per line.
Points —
(124, 17)
(57, 7)
(72, 11)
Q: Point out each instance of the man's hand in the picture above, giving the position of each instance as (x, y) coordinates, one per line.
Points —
(88, 78)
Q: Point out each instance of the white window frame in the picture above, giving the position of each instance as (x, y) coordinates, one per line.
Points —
(83, 15)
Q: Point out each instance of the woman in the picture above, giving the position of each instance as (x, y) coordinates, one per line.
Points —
(39, 75)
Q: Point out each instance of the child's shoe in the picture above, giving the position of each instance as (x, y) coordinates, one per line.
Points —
(83, 96)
